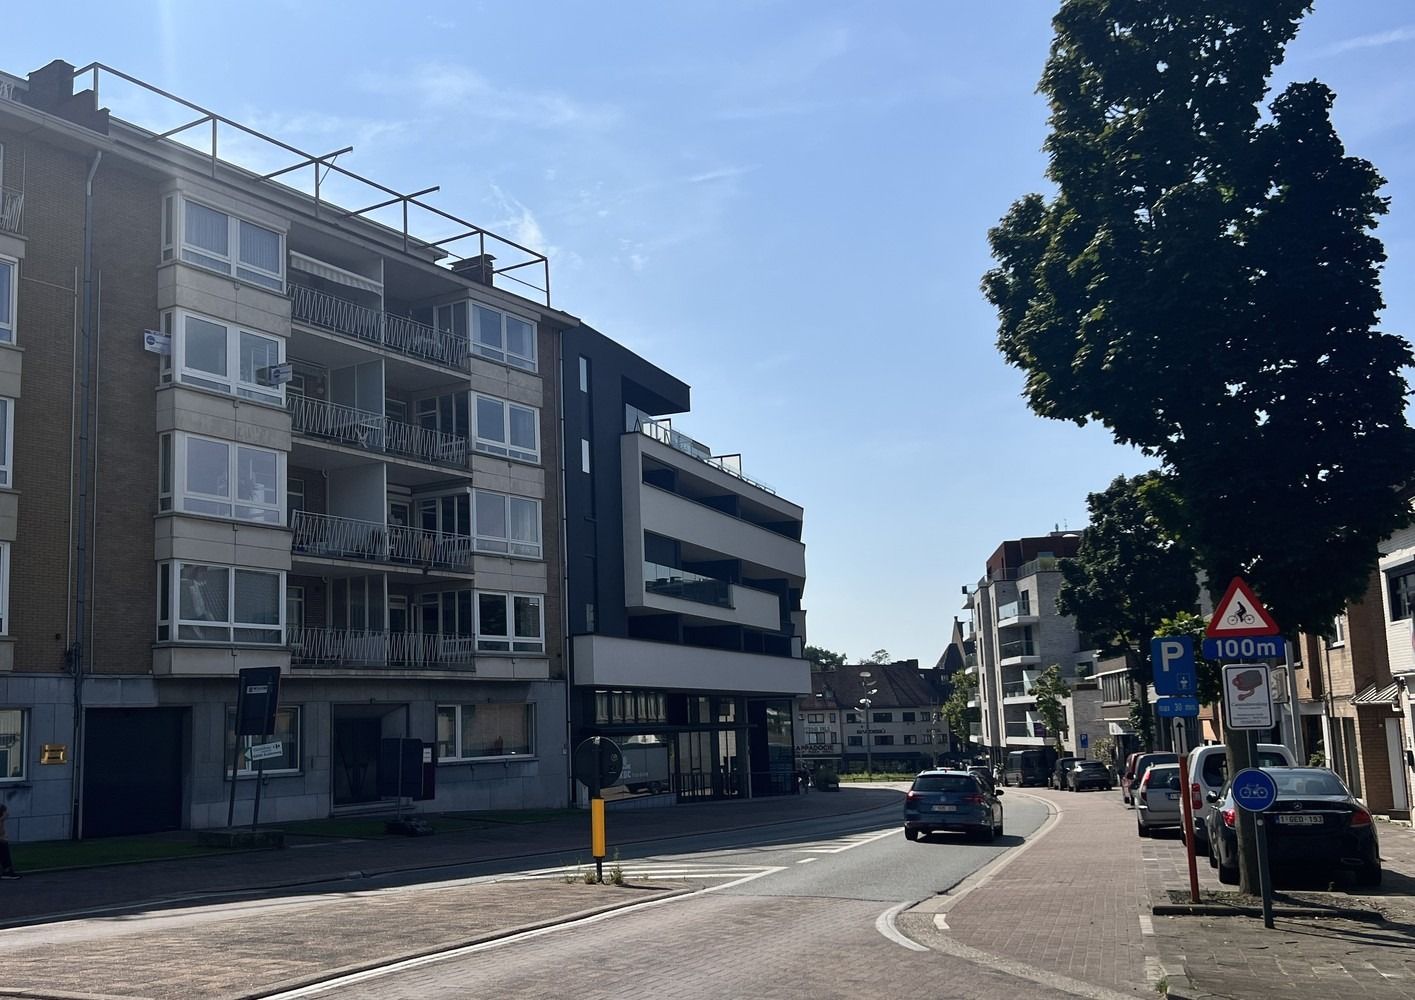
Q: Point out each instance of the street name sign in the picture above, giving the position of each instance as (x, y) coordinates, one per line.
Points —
(1173, 659)
(1247, 696)
(1240, 614)
(1254, 790)
(1177, 708)
(264, 751)
(1265, 647)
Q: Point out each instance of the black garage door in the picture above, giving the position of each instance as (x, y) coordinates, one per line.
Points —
(132, 771)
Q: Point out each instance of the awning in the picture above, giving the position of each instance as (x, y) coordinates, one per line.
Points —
(329, 272)
(1120, 729)
(1388, 695)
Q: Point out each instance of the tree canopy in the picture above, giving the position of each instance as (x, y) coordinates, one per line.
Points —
(825, 657)
(1205, 283)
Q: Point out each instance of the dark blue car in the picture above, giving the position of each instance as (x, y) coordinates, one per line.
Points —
(951, 800)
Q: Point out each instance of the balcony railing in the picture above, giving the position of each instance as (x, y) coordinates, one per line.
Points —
(975, 730)
(348, 538)
(1041, 564)
(397, 333)
(1019, 729)
(1016, 647)
(1017, 609)
(329, 647)
(12, 205)
(678, 441)
(1014, 689)
(670, 581)
(374, 432)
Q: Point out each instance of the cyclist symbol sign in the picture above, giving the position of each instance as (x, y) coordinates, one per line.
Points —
(1239, 614)
(1253, 789)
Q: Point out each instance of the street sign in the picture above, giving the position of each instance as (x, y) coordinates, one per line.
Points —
(1253, 789)
(156, 342)
(1240, 613)
(265, 751)
(1085, 740)
(1173, 659)
(1186, 707)
(1247, 696)
(1269, 647)
(598, 762)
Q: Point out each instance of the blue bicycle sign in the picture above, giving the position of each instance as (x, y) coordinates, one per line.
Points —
(1253, 789)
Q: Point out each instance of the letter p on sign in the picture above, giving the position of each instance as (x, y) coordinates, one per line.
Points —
(1173, 661)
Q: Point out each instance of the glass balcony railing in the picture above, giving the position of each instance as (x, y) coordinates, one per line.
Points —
(975, 730)
(1019, 729)
(12, 204)
(1041, 564)
(1014, 689)
(670, 581)
(374, 432)
(731, 464)
(1017, 647)
(372, 326)
(1016, 609)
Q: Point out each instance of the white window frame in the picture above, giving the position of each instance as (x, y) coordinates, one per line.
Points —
(10, 318)
(510, 642)
(504, 544)
(229, 263)
(174, 323)
(496, 349)
(503, 447)
(4, 588)
(170, 629)
(23, 742)
(247, 769)
(172, 482)
(7, 443)
(460, 754)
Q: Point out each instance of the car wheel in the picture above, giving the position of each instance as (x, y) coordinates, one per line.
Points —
(1141, 828)
(987, 833)
(1227, 874)
(910, 833)
(1213, 861)
(1369, 875)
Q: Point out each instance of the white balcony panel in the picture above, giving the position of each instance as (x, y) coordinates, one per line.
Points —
(226, 543)
(753, 608)
(674, 517)
(608, 661)
(634, 446)
(215, 661)
(11, 368)
(9, 515)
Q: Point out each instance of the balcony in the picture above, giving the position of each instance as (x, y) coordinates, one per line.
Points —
(1016, 609)
(1014, 689)
(380, 329)
(333, 537)
(328, 647)
(1016, 651)
(1041, 564)
(975, 731)
(670, 581)
(374, 432)
(12, 204)
(1019, 730)
(731, 464)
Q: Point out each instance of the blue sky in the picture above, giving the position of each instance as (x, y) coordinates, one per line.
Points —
(784, 204)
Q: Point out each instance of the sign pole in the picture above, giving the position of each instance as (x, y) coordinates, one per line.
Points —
(1265, 879)
(597, 819)
(259, 780)
(1181, 747)
(235, 760)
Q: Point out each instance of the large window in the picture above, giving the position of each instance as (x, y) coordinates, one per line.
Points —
(507, 524)
(12, 744)
(7, 441)
(508, 429)
(510, 623)
(473, 732)
(205, 476)
(219, 604)
(503, 337)
(9, 273)
(225, 358)
(4, 588)
(287, 733)
(1402, 592)
(224, 243)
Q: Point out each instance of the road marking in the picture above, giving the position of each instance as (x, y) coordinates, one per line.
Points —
(1147, 925)
(884, 923)
(941, 921)
(849, 843)
(806, 861)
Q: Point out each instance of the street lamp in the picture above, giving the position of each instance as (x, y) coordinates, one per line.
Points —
(866, 702)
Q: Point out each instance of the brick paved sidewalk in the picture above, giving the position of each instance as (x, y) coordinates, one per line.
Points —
(1236, 958)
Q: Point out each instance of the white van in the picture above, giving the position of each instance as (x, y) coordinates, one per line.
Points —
(1208, 772)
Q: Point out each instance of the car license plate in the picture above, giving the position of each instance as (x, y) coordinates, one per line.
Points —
(1172, 796)
(1298, 820)
(945, 809)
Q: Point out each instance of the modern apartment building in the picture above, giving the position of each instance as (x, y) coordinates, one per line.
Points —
(1018, 633)
(241, 425)
(685, 583)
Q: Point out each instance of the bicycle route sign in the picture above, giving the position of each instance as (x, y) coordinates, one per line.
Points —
(1240, 614)
(1253, 789)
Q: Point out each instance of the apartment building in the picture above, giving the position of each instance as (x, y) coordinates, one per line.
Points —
(242, 426)
(685, 583)
(1018, 633)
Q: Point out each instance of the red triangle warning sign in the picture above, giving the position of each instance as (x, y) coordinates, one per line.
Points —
(1240, 614)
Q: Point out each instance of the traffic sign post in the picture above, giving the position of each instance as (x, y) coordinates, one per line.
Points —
(1255, 791)
(1240, 614)
(1177, 708)
(1174, 667)
(597, 762)
(1181, 748)
(1247, 696)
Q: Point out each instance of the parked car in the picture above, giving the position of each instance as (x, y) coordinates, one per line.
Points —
(1089, 774)
(1057, 778)
(1157, 803)
(1026, 767)
(1135, 766)
(1315, 824)
(1208, 772)
(952, 800)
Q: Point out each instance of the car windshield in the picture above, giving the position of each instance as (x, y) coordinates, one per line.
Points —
(1164, 777)
(945, 783)
(1304, 781)
(1216, 765)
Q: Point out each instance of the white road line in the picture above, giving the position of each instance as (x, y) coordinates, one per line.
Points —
(836, 847)
(806, 861)
(941, 921)
(1147, 925)
(884, 923)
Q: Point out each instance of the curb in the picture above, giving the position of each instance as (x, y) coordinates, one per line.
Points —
(1230, 910)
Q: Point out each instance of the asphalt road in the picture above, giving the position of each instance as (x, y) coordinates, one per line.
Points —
(802, 914)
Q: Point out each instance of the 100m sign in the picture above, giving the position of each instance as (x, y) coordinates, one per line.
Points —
(1249, 648)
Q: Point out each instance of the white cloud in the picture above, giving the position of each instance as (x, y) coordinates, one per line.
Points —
(1376, 40)
(445, 87)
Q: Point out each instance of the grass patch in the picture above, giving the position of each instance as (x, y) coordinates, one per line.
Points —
(54, 854)
(879, 776)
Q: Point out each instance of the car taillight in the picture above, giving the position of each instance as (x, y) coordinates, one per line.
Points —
(1360, 818)
(973, 800)
(1230, 816)
(912, 797)
(1196, 798)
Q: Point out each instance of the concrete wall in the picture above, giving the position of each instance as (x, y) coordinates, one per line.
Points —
(606, 661)
(40, 803)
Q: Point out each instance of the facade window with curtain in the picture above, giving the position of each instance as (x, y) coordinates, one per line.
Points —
(507, 524)
(220, 242)
(219, 604)
(482, 731)
(12, 744)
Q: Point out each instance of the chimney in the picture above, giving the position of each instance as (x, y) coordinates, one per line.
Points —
(51, 89)
(479, 268)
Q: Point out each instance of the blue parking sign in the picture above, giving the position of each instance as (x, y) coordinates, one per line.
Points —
(1173, 659)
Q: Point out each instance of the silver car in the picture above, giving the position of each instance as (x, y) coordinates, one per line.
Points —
(1157, 801)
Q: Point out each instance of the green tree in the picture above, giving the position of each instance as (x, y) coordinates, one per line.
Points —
(880, 656)
(955, 708)
(1129, 572)
(825, 657)
(1205, 283)
(1051, 692)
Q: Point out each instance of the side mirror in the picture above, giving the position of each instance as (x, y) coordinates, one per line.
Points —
(1211, 798)
(998, 793)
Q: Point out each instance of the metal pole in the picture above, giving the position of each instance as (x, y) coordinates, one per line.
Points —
(259, 780)
(1181, 747)
(1265, 881)
(596, 817)
(235, 760)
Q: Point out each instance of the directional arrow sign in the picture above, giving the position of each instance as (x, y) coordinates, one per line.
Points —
(1240, 613)
(1173, 659)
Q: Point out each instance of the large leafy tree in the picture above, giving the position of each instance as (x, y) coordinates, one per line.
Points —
(1051, 692)
(963, 688)
(1205, 283)
(825, 657)
(1128, 574)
